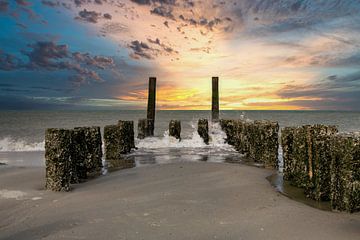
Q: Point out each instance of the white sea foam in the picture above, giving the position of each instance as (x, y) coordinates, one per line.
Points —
(9, 194)
(11, 145)
(217, 139)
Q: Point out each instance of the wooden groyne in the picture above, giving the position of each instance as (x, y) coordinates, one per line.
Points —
(71, 156)
(325, 164)
(175, 129)
(316, 158)
(203, 130)
(258, 140)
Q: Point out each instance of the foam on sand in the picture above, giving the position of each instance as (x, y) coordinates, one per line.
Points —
(12, 194)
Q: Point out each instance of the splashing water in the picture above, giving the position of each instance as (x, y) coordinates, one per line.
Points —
(167, 149)
(217, 140)
(11, 145)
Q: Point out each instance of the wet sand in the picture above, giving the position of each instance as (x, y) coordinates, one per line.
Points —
(173, 201)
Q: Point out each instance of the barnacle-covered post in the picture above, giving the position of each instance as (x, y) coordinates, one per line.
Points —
(94, 149)
(203, 130)
(175, 129)
(58, 159)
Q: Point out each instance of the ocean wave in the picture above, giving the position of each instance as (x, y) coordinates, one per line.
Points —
(12, 145)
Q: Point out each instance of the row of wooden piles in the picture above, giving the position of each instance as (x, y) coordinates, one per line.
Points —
(74, 155)
(317, 158)
(257, 140)
(324, 163)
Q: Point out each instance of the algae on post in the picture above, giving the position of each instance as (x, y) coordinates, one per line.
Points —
(203, 130)
(345, 173)
(175, 129)
(58, 159)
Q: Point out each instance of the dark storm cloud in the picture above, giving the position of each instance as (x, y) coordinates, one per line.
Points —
(50, 56)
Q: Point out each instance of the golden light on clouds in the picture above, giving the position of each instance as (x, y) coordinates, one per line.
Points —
(256, 57)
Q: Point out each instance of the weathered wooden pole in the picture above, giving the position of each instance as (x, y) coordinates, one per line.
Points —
(151, 105)
(175, 129)
(215, 99)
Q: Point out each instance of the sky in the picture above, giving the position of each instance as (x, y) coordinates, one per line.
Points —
(99, 54)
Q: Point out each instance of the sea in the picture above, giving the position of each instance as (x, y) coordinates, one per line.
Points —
(22, 133)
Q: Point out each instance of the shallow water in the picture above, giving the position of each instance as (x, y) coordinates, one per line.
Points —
(297, 194)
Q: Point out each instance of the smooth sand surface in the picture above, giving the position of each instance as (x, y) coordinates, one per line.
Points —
(174, 201)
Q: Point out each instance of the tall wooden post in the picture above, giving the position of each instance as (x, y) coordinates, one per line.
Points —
(151, 105)
(215, 99)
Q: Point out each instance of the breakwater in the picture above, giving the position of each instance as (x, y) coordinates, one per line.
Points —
(316, 157)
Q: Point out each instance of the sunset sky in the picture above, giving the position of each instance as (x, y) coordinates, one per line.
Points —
(268, 54)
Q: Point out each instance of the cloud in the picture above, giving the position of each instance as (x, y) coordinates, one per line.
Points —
(45, 54)
(164, 47)
(50, 56)
(142, 2)
(163, 12)
(334, 92)
(101, 62)
(140, 50)
(107, 16)
(4, 6)
(285, 16)
(78, 3)
(92, 16)
(162, 2)
(8, 62)
(23, 2)
(50, 3)
(89, 16)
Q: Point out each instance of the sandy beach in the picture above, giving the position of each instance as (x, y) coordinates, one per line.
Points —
(172, 201)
